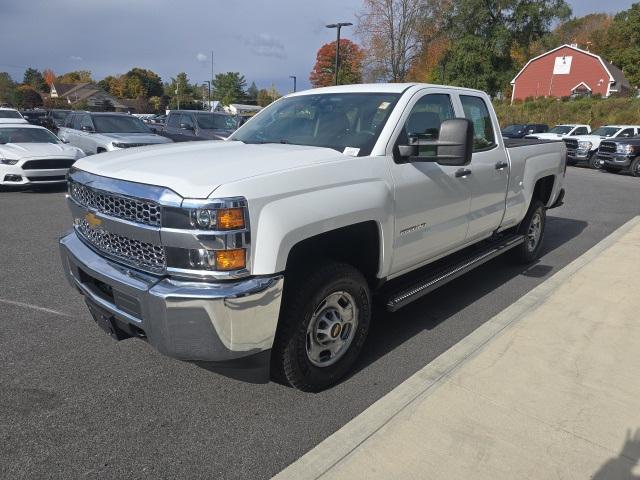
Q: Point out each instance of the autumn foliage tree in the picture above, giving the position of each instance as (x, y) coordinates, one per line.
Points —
(349, 71)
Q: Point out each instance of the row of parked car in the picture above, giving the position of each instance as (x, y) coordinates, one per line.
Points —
(615, 148)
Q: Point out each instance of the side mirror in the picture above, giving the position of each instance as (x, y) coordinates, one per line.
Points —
(64, 140)
(453, 147)
(87, 128)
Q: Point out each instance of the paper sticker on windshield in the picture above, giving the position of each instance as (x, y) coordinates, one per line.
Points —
(351, 151)
(384, 105)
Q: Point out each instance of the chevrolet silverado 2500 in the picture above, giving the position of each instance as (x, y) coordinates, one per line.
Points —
(273, 244)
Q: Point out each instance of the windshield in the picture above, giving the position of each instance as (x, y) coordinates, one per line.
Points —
(59, 115)
(605, 131)
(119, 124)
(332, 120)
(561, 129)
(513, 129)
(210, 121)
(26, 135)
(9, 114)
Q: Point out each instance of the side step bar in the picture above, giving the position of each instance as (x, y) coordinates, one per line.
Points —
(429, 282)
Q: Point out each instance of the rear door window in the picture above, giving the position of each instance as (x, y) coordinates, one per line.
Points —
(173, 120)
(580, 131)
(627, 132)
(475, 109)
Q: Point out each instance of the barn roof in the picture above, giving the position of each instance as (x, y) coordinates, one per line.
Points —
(610, 69)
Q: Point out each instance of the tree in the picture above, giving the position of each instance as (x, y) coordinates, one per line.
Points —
(49, 77)
(252, 92)
(79, 76)
(229, 87)
(263, 98)
(6, 87)
(350, 69)
(34, 78)
(622, 46)
(390, 32)
(24, 96)
(143, 83)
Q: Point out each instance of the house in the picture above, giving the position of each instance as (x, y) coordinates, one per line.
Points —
(90, 93)
(568, 71)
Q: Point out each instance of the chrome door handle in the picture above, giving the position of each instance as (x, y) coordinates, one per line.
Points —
(501, 165)
(463, 172)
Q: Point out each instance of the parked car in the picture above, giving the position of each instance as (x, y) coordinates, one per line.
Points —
(520, 130)
(11, 115)
(560, 131)
(620, 155)
(56, 118)
(103, 132)
(188, 125)
(270, 246)
(35, 117)
(584, 148)
(32, 155)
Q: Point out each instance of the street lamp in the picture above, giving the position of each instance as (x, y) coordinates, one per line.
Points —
(208, 82)
(294, 82)
(338, 26)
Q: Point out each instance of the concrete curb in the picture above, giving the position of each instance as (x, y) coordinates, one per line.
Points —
(342, 443)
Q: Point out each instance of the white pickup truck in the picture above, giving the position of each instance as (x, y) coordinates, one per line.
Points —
(584, 148)
(270, 247)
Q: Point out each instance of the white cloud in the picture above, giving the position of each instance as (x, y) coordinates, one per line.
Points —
(265, 45)
(75, 58)
(201, 57)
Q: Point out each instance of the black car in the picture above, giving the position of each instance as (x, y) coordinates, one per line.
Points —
(57, 117)
(188, 125)
(520, 130)
(620, 155)
(35, 117)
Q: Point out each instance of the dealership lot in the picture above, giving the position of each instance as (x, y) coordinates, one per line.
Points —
(74, 403)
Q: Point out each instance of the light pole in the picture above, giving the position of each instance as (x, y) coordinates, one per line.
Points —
(338, 26)
(294, 82)
(208, 82)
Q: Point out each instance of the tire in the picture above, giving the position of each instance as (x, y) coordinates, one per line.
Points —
(100, 150)
(635, 167)
(529, 250)
(593, 161)
(312, 304)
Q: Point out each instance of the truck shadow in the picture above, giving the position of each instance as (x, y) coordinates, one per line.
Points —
(390, 330)
(625, 463)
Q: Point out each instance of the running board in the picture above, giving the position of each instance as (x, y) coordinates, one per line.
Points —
(395, 300)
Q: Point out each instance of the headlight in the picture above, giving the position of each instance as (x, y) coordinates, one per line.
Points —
(120, 145)
(621, 148)
(9, 162)
(584, 145)
(218, 219)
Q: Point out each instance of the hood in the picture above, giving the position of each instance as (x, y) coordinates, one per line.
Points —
(13, 120)
(196, 169)
(546, 136)
(215, 133)
(18, 151)
(594, 139)
(135, 137)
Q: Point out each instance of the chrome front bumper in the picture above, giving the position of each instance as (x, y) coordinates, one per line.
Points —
(196, 321)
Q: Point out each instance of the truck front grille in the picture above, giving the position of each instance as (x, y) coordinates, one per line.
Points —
(135, 253)
(131, 209)
(607, 147)
(571, 143)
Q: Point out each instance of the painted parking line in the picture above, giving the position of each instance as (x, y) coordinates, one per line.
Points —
(34, 307)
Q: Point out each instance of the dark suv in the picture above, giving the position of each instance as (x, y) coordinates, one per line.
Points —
(519, 130)
(619, 155)
(187, 125)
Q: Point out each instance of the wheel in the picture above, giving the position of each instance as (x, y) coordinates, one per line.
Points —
(635, 167)
(532, 227)
(593, 161)
(610, 169)
(101, 150)
(323, 324)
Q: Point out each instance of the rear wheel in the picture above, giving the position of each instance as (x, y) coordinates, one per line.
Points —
(532, 227)
(323, 325)
(635, 167)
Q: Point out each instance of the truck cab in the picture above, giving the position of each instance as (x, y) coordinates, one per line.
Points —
(189, 125)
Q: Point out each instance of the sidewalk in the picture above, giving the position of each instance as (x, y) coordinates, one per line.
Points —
(549, 388)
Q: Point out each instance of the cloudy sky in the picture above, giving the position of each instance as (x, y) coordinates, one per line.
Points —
(266, 40)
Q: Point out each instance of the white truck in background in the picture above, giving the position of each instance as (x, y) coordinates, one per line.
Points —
(584, 148)
(270, 247)
(561, 131)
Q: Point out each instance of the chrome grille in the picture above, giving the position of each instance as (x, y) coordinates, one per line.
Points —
(132, 252)
(607, 147)
(571, 143)
(132, 209)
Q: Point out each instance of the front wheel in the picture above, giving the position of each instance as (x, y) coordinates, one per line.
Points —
(594, 162)
(635, 167)
(532, 227)
(323, 325)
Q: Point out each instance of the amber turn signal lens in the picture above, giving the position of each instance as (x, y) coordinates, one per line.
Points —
(230, 218)
(230, 259)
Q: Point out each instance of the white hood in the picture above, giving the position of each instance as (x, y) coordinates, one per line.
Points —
(547, 136)
(20, 151)
(196, 169)
(594, 139)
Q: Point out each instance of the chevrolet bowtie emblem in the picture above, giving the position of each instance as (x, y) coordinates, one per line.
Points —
(92, 220)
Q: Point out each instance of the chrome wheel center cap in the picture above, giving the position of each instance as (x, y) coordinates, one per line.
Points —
(335, 330)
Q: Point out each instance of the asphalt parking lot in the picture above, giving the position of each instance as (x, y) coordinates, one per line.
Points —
(75, 404)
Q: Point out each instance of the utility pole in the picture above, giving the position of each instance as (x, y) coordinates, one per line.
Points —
(338, 26)
(208, 82)
(294, 82)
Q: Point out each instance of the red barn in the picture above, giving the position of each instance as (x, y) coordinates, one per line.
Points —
(565, 71)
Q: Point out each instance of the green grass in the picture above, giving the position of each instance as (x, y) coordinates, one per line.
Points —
(552, 111)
